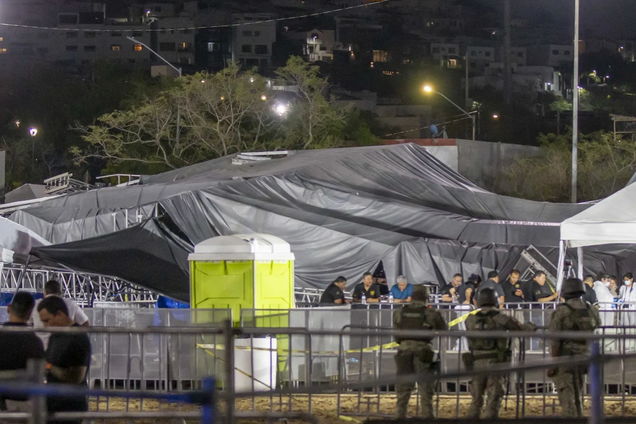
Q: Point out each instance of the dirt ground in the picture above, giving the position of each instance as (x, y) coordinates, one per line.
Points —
(324, 407)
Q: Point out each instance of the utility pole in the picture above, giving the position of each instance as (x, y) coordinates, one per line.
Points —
(575, 102)
(506, 54)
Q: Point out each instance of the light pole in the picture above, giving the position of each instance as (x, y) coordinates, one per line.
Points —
(575, 101)
(429, 89)
(178, 72)
(33, 132)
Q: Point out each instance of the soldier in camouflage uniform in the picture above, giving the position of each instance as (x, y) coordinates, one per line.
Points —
(573, 315)
(415, 355)
(484, 352)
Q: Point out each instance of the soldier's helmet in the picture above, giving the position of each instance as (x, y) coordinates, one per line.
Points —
(420, 293)
(487, 297)
(572, 287)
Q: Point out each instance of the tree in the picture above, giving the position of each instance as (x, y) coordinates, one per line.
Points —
(605, 166)
(204, 116)
(559, 105)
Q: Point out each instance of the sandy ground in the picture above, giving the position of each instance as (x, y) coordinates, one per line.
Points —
(324, 407)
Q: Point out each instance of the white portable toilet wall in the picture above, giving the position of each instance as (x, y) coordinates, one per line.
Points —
(242, 271)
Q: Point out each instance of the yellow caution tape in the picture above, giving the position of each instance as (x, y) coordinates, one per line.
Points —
(345, 418)
(462, 318)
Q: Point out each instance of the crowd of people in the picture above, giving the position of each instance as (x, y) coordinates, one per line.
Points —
(67, 355)
(604, 290)
(416, 355)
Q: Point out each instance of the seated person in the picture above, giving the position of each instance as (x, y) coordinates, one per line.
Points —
(368, 289)
(402, 292)
(449, 292)
(334, 294)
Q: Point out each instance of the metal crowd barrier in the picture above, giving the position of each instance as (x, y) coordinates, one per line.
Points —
(286, 364)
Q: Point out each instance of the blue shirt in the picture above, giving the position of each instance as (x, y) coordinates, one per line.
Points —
(398, 294)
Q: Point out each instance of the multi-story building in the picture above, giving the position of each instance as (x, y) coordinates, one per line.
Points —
(552, 55)
(252, 42)
(518, 56)
(446, 55)
(316, 44)
(479, 58)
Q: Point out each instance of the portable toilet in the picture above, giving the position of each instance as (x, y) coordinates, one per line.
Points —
(243, 271)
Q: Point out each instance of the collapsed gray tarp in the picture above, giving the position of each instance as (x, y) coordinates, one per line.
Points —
(342, 210)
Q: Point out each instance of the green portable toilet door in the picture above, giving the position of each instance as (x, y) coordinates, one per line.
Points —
(274, 284)
(223, 284)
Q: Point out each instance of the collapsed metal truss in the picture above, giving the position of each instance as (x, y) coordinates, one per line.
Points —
(85, 289)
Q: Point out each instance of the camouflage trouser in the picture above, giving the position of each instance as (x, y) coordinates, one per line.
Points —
(410, 362)
(569, 385)
(484, 385)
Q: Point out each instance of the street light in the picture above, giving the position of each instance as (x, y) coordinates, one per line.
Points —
(134, 40)
(33, 132)
(495, 116)
(575, 101)
(429, 89)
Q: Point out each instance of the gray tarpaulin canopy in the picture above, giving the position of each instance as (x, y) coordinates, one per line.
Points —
(342, 211)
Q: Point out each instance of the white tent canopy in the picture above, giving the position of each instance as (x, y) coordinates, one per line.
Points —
(611, 221)
(14, 238)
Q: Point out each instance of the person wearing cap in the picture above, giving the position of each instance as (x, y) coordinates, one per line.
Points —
(485, 352)
(415, 354)
(574, 314)
(334, 293)
(493, 284)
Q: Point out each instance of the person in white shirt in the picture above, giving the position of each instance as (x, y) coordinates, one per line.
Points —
(605, 299)
(75, 313)
(628, 298)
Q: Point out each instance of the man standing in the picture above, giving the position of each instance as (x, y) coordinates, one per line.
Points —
(493, 284)
(334, 294)
(590, 294)
(68, 356)
(402, 291)
(449, 292)
(540, 290)
(484, 352)
(367, 289)
(512, 288)
(605, 299)
(18, 348)
(415, 355)
(75, 313)
(573, 315)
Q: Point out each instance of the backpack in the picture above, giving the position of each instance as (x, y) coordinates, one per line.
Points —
(577, 320)
(414, 318)
(486, 322)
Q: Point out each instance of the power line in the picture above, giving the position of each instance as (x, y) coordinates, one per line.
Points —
(462, 118)
(247, 23)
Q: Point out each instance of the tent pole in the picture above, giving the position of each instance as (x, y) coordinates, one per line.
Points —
(579, 260)
(560, 264)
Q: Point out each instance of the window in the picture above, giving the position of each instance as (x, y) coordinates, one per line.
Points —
(247, 33)
(380, 56)
(257, 33)
(184, 31)
(452, 63)
(131, 60)
(251, 63)
(42, 50)
(246, 48)
(115, 47)
(86, 62)
(1, 38)
(157, 8)
(185, 60)
(473, 65)
(137, 47)
(260, 49)
(473, 53)
(487, 54)
(264, 63)
(90, 48)
(115, 33)
(167, 47)
(90, 34)
(520, 54)
(451, 50)
(566, 52)
(212, 47)
(68, 19)
(71, 48)
(435, 50)
(71, 34)
(555, 52)
(138, 33)
(3, 51)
